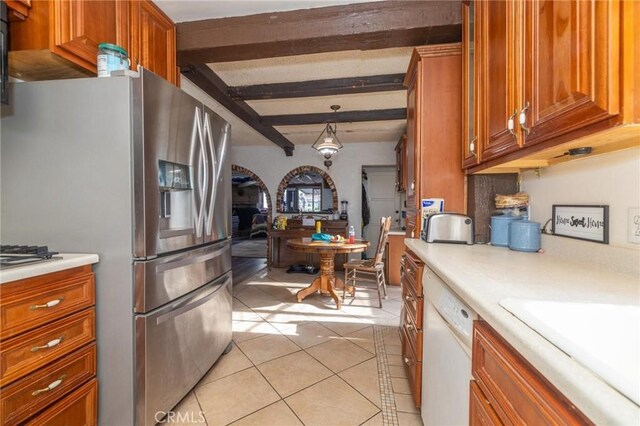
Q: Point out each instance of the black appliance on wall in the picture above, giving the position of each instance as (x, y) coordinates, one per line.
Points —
(4, 47)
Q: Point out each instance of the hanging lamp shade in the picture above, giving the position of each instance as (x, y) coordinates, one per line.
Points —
(328, 143)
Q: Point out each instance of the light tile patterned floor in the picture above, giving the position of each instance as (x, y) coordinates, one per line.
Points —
(305, 363)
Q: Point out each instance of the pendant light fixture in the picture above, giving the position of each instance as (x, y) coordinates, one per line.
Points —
(328, 143)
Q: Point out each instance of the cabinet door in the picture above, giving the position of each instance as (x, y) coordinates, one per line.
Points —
(497, 103)
(153, 40)
(470, 141)
(571, 64)
(401, 176)
(79, 26)
(410, 144)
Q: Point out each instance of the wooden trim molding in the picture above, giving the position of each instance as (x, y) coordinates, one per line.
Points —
(284, 183)
(259, 182)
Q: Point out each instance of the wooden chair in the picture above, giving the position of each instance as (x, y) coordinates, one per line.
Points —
(370, 270)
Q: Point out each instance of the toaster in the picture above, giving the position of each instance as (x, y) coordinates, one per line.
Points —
(448, 228)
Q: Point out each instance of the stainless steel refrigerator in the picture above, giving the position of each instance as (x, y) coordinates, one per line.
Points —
(137, 171)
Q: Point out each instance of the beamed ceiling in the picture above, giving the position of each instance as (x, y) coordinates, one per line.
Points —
(276, 74)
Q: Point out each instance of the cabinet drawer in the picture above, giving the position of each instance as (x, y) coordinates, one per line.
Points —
(33, 393)
(78, 408)
(480, 410)
(27, 352)
(412, 365)
(517, 392)
(413, 270)
(30, 303)
(413, 305)
(413, 334)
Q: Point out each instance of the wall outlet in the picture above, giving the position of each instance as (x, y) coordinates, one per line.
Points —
(633, 225)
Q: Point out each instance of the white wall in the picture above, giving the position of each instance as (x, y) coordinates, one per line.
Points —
(270, 164)
(612, 179)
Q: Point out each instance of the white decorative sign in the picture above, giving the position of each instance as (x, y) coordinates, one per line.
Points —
(633, 226)
(589, 223)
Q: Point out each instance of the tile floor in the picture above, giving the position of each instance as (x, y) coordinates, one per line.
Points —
(305, 363)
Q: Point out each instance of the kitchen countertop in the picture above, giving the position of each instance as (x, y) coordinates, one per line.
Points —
(396, 232)
(483, 275)
(68, 261)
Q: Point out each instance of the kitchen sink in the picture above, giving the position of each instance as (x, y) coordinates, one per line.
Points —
(604, 338)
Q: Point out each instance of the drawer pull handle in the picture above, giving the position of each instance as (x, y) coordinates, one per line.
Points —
(49, 304)
(53, 343)
(51, 386)
(408, 270)
(407, 361)
(410, 327)
(407, 298)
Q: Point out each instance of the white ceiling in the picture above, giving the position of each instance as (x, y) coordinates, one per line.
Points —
(349, 63)
(197, 10)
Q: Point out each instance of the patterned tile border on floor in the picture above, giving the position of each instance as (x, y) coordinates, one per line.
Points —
(389, 414)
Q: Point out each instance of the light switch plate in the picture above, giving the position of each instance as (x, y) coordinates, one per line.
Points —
(633, 225)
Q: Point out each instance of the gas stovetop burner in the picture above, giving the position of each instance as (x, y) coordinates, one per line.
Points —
(15, 255)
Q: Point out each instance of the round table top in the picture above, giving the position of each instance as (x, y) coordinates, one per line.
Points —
(309, 246)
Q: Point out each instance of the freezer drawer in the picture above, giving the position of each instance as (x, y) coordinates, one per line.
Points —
(177, 344)
(161, 280)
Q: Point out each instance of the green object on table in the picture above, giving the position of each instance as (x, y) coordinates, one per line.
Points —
(320, 237)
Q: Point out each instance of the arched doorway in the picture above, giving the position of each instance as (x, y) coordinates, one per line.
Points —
(308, 177)
(249, 197)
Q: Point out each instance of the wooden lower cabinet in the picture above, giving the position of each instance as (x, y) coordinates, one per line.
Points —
(508, 386)
(411, 322)
(480, 410)
(47, 349)
(395, 248)
(78, 408)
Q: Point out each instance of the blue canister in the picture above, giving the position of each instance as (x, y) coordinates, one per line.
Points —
(524, 235)
(111, 57)
(500, 229)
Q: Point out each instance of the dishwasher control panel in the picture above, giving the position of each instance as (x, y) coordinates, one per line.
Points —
(459, 316)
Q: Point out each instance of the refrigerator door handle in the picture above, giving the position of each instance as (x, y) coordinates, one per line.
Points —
(163, 267)
(210, 197)
(194, 303)
(197, 162)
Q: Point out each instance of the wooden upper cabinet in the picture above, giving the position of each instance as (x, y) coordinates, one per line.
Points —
(571, 70)
(497, 92)
(551, 75)
(434, 113)
(153, 40)
(80, 26)
(60, 37)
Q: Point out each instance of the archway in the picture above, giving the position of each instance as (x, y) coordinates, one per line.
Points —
(284, 183)
(253, 180)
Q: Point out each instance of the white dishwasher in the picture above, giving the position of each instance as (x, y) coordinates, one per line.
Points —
(446, 354)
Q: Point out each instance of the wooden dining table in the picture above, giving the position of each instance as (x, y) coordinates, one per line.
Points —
(327, 282)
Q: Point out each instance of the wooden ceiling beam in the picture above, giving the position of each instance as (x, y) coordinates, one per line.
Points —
(360, 26)
(210, 83)
(333, 117)
(333, 86)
